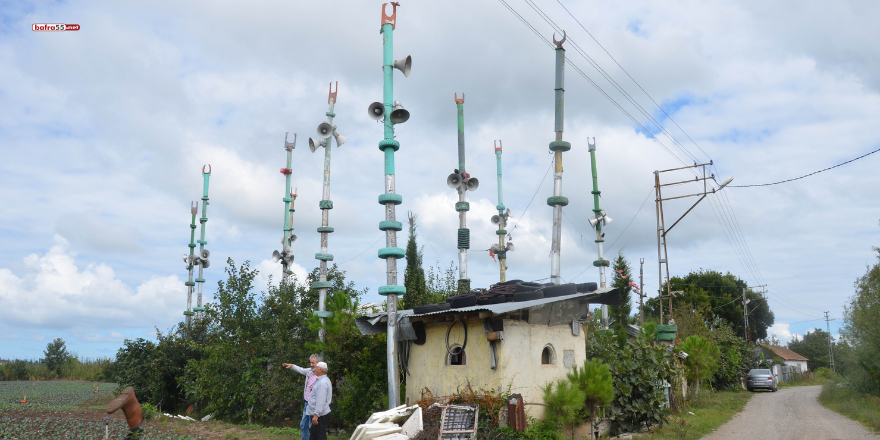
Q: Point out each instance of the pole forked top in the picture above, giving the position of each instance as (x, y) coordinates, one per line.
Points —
(459, 101)
(498, 146)
(208, 166)
(390, 19)
(559, 43)
(331, 98)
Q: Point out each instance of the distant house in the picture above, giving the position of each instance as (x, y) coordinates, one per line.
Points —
(792, 362)
(4, 361)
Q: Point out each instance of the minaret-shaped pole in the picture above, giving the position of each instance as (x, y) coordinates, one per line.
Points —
(189, 259)
(286, 254)
(326, 130)
(601, 263)
(502, 220)
(557, 201)
(203, 253)
(393, 113)
(464, 234)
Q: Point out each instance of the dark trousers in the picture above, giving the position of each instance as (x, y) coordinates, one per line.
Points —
(319, 431)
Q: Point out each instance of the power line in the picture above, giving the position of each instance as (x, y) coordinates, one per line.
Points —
(631, 220)
(536, 190)
(806, 175)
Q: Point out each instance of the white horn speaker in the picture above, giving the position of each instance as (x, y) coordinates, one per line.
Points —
(399, 114)
(607, 219)
(313, 144)
(376, 110)
(206, 264)
(472, 184)
(509, 246)
(205, 254)
(276, 256)
(325, 130)
(340, 139)
(453, 181)
(292, 238)
(496, 219)
(404, 65)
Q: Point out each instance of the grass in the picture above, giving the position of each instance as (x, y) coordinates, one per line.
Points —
(711, 410)
(813, 380)
(842, 399)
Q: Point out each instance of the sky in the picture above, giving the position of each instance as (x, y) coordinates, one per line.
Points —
(104, 132)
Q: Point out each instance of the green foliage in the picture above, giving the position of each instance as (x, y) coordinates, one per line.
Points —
(814, 347)
(702, 360)
(639, 370)
(357, 363)
(862, 328)
(864, 408)
(148, 410)
(594, 380)
(622, 277)
(414, 276)
(564, 403)
(720, 294)
(56, 355)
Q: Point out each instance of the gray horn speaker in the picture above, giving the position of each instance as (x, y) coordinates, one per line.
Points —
(313, 144)
(325, 130)
(340, 139)
(453, 181)
(276, 256)
(472, 184)
(205, 254)
(496, 219)
(376, 110)
(206, 263)
(399, 114)
(404, 65)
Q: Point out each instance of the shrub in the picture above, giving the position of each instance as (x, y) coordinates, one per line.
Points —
(594, 380)
(702, 360)
(564, 404)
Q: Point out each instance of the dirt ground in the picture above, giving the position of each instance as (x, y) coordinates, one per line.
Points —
(790, 414)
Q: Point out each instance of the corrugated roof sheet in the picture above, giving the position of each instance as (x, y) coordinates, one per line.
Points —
(371, 324)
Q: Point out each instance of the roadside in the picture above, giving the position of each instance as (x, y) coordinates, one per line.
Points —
(844, 400)
(710, 410)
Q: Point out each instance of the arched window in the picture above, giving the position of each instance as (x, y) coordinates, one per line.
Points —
(548, 355)
(459, 358)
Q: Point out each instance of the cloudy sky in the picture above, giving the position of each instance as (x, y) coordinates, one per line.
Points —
(104, 132)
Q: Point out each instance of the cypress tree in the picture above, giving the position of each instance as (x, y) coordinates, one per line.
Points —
(414, 276)
(621, 280)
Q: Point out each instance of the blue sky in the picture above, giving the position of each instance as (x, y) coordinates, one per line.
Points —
(104, 131)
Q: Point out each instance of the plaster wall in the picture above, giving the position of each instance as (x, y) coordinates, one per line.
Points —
(798, 364)
(519, 361)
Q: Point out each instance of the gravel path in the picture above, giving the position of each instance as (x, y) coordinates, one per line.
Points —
(790, 414)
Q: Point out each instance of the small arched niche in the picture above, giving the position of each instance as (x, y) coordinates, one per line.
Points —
(457, 356)
(548, 355)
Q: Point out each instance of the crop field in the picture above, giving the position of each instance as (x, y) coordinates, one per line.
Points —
(68, 410)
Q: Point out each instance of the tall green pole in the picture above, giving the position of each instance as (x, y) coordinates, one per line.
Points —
(286, 254)
(189, 259)
(601, 263)
(462, 206)
(502, 220)
(390, 253)
(557, 201)
(203, 253)
(326, 130)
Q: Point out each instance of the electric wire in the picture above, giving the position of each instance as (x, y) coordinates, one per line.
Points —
(533, 195)
(805, 175)
(631, 220)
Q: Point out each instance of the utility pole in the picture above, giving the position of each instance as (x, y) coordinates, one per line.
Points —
(662, 230)
(325, 130)
(286, 254)
(557, 201)
(396, 114)
(190, 261)
(461, 181)
(746, 311)
(500, 220)
(830, 349)
(204, 254)
(599, 219)
(641, 290)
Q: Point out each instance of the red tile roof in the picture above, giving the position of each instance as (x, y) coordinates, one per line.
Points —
(784, 353)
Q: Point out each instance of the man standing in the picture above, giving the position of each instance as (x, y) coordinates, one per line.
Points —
(319, 403)
(305, 423)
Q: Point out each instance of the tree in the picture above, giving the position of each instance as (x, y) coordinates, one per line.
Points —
(594, 380)
(722, 295)
(814, 347)
(56, 355)
(564, 404)
(414, 275)
(702, 360)
(862, 329)
(621, 280)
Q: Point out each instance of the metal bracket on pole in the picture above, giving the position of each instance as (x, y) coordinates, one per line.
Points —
(390, 19)
(459, 101)
(559, 43)
(331, 98)
(290, 145)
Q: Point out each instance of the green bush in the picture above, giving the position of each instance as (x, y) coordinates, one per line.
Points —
(564, 403)
(594, 380)
(702, 360)
(148, 410)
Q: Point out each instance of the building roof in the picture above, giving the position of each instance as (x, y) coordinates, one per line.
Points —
(784, 353)
(376, 323)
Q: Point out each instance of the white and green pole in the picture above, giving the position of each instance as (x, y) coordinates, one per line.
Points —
(189, 260)
(598, 221)
(393, 113)
(557, 201)
(325, 130)
(462, 183)
(203, 261)
(501, 221)
(286, 254)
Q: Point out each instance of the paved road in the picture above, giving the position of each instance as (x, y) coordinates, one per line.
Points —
(790, 414)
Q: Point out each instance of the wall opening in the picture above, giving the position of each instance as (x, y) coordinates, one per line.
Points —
(548, 355)
(456, 356)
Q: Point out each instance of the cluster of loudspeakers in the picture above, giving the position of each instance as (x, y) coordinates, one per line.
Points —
(455, 180)
(604, 218)
(398, 114)
(286, 255)
(326, 130)
(200, 259)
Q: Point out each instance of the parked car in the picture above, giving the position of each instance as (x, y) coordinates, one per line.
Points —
(761, 379)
